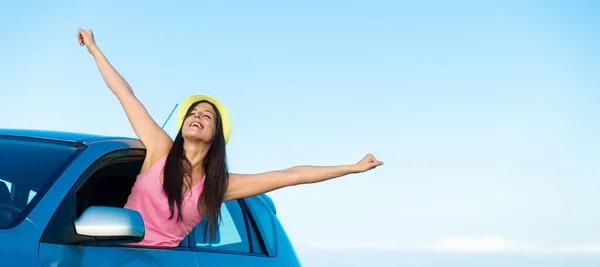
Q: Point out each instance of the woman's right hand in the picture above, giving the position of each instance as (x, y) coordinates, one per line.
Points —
(86, 37)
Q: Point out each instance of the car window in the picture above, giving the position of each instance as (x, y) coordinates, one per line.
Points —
(28, 166)
(232, 234)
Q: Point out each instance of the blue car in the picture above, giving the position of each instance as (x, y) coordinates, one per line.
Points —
(61, 204)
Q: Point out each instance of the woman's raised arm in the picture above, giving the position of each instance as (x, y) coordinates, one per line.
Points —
(146, 129)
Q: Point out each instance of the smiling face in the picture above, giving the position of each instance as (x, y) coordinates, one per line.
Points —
(200, 123)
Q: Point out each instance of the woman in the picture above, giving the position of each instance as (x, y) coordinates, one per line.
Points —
(183, 179)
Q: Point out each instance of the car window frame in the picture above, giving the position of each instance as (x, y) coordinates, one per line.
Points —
(251, 231)
(255, 232)
(252, 203)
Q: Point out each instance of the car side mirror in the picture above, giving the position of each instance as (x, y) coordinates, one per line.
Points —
(110, 224)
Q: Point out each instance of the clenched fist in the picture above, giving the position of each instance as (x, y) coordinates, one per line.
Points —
(367, 163)
(86, 37)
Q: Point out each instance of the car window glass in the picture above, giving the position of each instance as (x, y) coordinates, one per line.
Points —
(8, 184)
(6, 192)
(17, 157)
(31, 195)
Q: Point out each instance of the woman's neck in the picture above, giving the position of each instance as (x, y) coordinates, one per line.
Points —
(195, 153)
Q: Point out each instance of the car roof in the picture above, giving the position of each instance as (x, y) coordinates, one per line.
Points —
(59, 135)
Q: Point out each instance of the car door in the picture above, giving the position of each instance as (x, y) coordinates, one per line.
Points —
(105, 183)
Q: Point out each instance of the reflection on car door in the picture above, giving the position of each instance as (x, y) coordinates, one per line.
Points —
(88, 256)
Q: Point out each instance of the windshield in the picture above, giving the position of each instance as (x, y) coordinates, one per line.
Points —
(28, 167)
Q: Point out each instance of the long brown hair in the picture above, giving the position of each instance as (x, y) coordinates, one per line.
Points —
(178, 170)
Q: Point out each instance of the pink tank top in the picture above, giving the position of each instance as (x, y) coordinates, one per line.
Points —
(147, 197)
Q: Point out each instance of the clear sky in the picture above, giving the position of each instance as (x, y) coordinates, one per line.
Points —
(485, 114)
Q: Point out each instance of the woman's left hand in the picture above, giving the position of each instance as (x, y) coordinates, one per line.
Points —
(367, 163)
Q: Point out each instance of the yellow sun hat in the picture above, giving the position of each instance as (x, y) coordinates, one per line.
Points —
(185, 105)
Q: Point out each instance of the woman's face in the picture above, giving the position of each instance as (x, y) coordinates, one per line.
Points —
(200, 123)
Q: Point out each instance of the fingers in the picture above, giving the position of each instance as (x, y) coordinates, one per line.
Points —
(376, 163)
(86, 33)
(372, 160)
(83, 35)
(80, 34)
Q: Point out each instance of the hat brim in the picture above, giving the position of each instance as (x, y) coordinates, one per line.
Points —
(185, 105)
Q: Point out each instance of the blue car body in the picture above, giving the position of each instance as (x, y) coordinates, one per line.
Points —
(61, 199)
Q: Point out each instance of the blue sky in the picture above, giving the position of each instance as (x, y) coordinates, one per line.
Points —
(485, 114)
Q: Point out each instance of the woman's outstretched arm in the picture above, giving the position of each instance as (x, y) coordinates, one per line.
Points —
(143, 125)
(246, 185)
